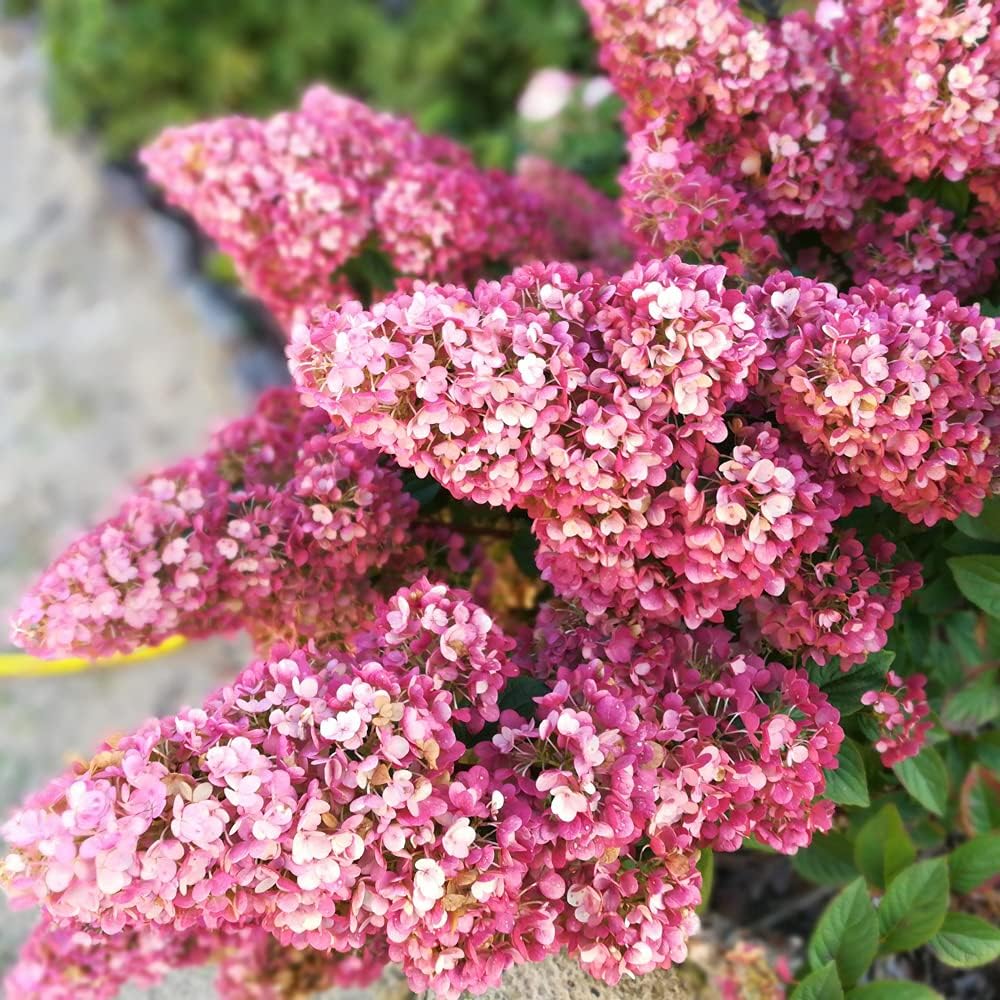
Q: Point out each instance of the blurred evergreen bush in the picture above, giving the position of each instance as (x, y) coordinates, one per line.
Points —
(127, 68)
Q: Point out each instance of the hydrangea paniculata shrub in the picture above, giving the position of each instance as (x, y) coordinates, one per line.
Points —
(677, 416)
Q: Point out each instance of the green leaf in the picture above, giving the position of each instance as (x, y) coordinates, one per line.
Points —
(883, 848)
(369, 271)
(519, 694)
(988, 751)
(847, 785)
(845, 690)
(523, 547)
(974, 863)
(951, 195)
(706, 865)
(752, 844)
(828, 860)
(894, 989)
(963, 633)
(974, 705)
(965, 941)
(926, 778)
(913, 908)
(846, 933)
(427, 492)
(979, 801)
(986, 527)
(978, 578)
(823, 984)
(954, 196)
(220, 267)
(939, 596)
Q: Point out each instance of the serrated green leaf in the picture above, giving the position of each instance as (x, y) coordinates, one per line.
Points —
(926, 778)
(978, 578)
(846, 933)
(979, 801)
(823, 984)
(974, 863)
(848, 785)
(913, 908)
(974, 705)
(894, 989)
(883, 848)
(828, 860)
(965, 941)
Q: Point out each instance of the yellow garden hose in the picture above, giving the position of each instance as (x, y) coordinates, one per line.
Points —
(23, 665)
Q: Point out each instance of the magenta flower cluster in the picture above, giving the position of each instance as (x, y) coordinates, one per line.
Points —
(932, 71)
(70, 962)
(295, 199)
(744, 134)
(331, 802)
(841, 605)
(616, 412)
(277, 528)
(901, 712)
(437, 759)
(282, 528)
(897, 390)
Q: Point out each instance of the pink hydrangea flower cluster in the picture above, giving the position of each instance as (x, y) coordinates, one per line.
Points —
(730, 109)
(600, 406)
(901, 711)
(744, 134)
(586, 224)
(299, 800)
(67, 961)
(840, 604)
(276, 528)
(923, 246)
(749, 969)
(347, 806)
(608, 408)
(896, 390)
(296, 198)
(744, 741)
(527, 379)
(926, 76)
(675, 201)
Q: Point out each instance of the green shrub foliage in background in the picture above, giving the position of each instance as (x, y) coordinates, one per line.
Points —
(127, 68)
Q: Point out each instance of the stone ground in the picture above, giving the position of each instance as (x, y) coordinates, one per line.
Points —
(113, 360)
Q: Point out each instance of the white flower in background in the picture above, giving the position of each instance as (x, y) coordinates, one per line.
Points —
(546, 95)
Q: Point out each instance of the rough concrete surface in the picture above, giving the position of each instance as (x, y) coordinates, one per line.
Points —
(558, 978)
